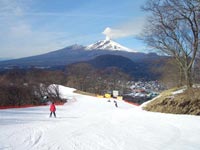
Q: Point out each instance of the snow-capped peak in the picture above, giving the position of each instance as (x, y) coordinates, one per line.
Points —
(108, 44)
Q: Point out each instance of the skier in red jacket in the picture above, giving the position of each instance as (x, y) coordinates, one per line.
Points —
(52, 109)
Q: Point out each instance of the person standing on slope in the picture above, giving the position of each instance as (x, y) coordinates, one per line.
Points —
(115, 103)
(52, 109)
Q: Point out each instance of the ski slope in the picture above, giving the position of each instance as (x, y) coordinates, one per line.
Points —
(89, 123)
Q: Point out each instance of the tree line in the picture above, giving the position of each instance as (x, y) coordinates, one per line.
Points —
(20, 87)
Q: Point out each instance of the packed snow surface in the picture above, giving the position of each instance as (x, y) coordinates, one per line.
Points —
(89, 123)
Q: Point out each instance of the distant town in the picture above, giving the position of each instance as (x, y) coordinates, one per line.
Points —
(142, 91)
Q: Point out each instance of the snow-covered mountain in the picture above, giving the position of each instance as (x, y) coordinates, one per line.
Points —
(108, 44)
(78, 53)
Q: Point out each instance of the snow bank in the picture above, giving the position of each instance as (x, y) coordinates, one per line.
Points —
(178, 91)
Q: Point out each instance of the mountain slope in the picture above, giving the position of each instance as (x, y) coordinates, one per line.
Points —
(139, 70)
(71, 54)
(176, 101)
(59, 59)
(91, 123)
(118, 61)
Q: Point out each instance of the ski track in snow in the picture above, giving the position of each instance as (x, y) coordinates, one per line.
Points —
(94, 124)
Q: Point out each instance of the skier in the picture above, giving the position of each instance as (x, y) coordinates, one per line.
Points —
(115, 103)
(52, 109)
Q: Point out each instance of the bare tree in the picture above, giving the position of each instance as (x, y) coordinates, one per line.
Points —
(84, 77)
(113, 78)
(171, 75)
(45, 83)
(79, 76)
(173, 28)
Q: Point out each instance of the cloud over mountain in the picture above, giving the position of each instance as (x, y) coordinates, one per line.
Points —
(132, 28)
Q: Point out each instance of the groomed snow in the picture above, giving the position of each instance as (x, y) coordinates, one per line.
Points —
(89, 123)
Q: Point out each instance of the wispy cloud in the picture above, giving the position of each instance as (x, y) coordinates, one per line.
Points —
(22, 41)
(19, 37)
(27, 29)
(12, 7)
(19, 12)
(132, 28)
(23, 8)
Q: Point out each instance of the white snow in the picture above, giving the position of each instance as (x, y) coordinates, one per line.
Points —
(108, 45)
(90, 123)
(178, 91)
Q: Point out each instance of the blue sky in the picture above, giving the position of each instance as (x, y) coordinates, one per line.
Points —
(31, 27)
